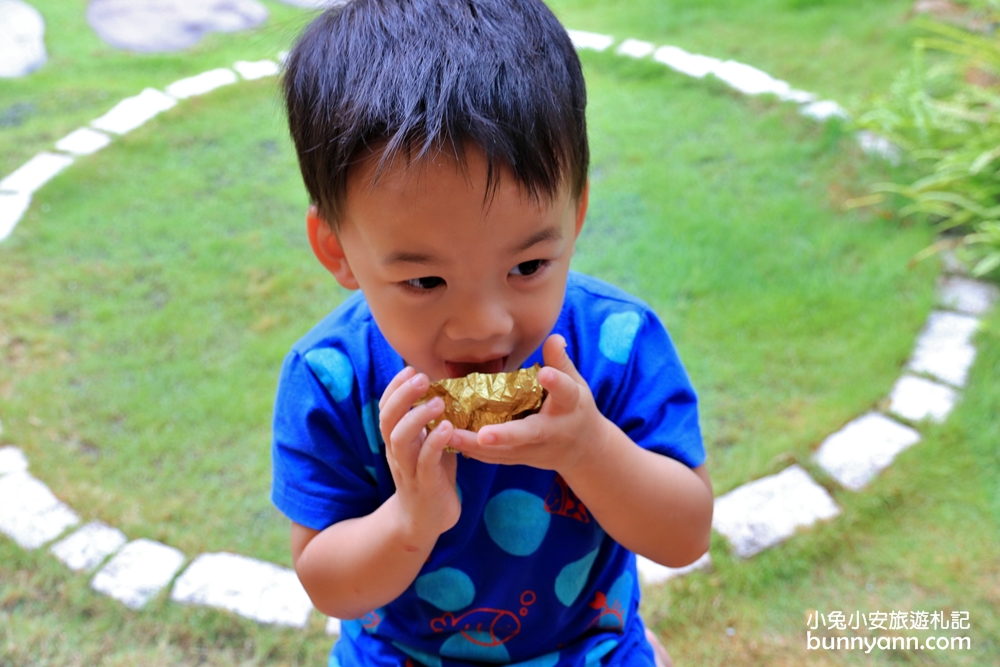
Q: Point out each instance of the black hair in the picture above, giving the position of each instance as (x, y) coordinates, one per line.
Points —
(407, 77)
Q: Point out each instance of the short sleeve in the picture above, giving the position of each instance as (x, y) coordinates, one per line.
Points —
(653, 401)
(323, 468)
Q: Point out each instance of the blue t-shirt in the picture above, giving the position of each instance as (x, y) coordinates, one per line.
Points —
(526, 576)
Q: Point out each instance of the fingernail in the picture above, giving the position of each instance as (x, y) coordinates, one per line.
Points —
(417, 380)
(489, 439)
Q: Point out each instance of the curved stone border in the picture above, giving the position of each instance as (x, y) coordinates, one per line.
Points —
(22, 39)
(753, 517)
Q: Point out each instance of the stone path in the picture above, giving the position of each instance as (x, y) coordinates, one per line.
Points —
(22, 39)
(314, 4)
(169, 25)
(753, 517)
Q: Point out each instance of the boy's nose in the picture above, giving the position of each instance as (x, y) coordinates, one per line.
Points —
(480, 319)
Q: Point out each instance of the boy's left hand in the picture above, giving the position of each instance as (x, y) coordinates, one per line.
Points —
(568, 428)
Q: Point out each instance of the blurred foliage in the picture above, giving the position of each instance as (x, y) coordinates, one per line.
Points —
(944, 112)
(985, 5)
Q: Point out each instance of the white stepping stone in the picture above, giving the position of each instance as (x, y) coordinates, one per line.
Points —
(333, 626)
(944, 348)
(257, 69)
(12, 208)
(201, 83)
(35, 173)
(654, 573)
(29, 513)
(855, 454)
(132, 112)
(766, 512)
(824, 109)
(22, 39)
(798, 96)
(917, 399)
(750, 80)
(138, 572)
(873, 144)
(635, 48)
(83, 141)
(315, 4)
(12, 460)
(89, 546)
(169, 25)
(967, 296)
(691, 64)
(952, 264)
(590, 40)
(261, 591)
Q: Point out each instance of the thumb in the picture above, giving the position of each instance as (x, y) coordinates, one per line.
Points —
(554, 354)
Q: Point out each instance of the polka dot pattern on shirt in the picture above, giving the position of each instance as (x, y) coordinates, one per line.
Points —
(334, 371)
(517, 521)
(617, 335)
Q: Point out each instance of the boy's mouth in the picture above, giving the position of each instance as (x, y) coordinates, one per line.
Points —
(459, 369)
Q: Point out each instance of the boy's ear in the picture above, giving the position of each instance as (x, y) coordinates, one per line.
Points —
(326, 246)
(581, 210)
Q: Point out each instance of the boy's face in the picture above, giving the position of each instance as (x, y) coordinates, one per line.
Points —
(457, 282)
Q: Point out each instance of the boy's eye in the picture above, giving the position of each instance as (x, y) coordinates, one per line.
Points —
(528, 268)
(425, 283)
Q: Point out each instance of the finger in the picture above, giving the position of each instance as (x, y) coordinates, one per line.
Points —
(434, 446)
(408, 437)
(564, 391)
(519, 432)
(495, 453)
(462, 438)
(400, 401)
(555, 356)
(401, 377)
(410, 428)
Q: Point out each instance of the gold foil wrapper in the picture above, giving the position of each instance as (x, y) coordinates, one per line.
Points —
(481, 399)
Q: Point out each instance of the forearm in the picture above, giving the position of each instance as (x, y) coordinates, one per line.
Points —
(651, 504)
(358, 565)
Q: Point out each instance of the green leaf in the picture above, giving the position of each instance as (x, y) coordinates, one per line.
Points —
(984, 159)
(988, 264)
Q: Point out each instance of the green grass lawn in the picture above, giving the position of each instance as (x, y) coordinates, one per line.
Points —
(840, 49)
(152, 290)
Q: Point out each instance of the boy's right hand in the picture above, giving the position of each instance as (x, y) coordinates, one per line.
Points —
(424, 474)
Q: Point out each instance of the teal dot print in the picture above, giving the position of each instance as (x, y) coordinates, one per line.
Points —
(448, 589)
(547, 660)
(369, 418)
(333, 369)
(480, 648)
(618, 334)
(572, 578)
(517, 521)
(594, 655)
(425, 659)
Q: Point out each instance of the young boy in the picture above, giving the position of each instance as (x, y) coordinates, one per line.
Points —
(443, 144)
